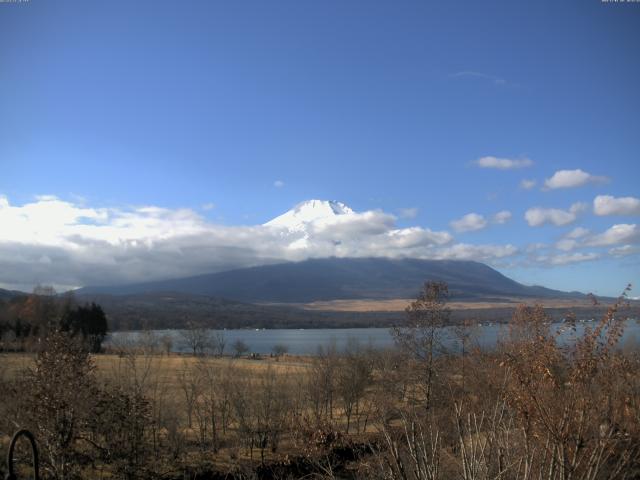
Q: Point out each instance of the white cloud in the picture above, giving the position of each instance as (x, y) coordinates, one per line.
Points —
(408, 212)
(608, 205)
(465, 251)
(538, 216)
(577, 232)
(566, 244)
(278, 184)
(501, 217)
(571, 240)
(474, 221)
(571, 179)
(534, 247)
(527, 184)
(345, 227)
(469, 222)
(567, 258)
(503, 163)
(53, 241)
(624, 250)
(617, 234)
(208, 206)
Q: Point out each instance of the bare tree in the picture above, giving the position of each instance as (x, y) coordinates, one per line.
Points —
(218, 343)
(240, 347)
(148, 342)
(420, 335)
(167, 344)
(321, 383)
(261, 409)
(280, 349)
(197, 338)
(190, 384)
(354, 376)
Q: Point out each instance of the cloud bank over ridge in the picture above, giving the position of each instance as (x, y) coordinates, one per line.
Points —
(53, 241)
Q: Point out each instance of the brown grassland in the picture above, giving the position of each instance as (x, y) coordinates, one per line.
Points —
(400, 304)
(530, 409)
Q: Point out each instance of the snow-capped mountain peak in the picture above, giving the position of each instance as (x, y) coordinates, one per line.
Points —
(297, 219)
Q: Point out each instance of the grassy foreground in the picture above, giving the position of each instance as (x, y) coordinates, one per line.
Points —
(528, 409)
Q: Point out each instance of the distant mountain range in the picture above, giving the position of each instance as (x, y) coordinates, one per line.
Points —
(342, 278)
(243, 297)
(8, 294)
(335, 278)
(274, 296)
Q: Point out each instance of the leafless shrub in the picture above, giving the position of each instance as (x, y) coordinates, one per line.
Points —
(119, 430)
(572, 403)
(59, 401)
(218, 343)
(321, 385)
(354, 376)
(261, 410)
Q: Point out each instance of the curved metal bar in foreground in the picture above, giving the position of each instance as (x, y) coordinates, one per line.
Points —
(34, 454)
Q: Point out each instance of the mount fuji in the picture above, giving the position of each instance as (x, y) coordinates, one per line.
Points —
(299, 224)
(335, 277)
(301, 217)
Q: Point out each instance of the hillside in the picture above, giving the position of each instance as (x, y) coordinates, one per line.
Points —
(9, 294)
(343, 278)
(178, 310)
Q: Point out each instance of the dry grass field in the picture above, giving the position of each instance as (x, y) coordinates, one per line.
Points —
(167, 370)
(177, 389)
(360, 413)
(170, 366)
(400, 304)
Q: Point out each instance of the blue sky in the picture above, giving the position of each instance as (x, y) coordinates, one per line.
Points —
(385, 106)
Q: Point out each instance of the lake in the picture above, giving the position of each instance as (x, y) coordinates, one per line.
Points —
(307, 341)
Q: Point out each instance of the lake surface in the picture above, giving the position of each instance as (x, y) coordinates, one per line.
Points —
(307, 342)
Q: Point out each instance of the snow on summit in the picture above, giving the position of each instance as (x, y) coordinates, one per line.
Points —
(300, 217)
(323, 228)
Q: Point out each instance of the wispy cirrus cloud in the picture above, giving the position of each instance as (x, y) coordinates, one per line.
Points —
(528, 184)
(479, 76)
(624, 250)
(567, 258)
(411, 212)
(465, 251)
(503, 163)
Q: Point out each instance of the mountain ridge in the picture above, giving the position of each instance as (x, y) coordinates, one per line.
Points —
(9, 294)
(342, 278)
